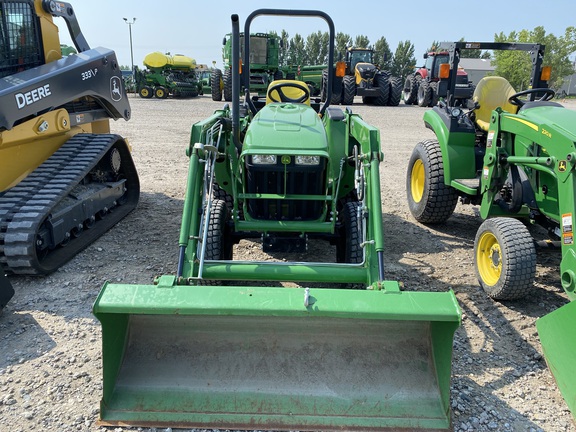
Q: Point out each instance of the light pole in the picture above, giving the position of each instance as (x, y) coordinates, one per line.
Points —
(130, 30)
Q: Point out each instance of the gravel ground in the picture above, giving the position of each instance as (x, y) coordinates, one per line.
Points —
(50, 361)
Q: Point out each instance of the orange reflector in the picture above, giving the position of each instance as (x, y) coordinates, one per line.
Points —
(545, 74)
(444, 71)
(240, 67)
(340, 69)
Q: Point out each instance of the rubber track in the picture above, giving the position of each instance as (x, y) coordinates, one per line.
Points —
(24, 207)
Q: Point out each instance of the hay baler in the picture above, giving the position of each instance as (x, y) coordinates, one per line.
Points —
(221, 343)
(514, 155)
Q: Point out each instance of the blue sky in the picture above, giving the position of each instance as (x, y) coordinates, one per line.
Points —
(196, 28)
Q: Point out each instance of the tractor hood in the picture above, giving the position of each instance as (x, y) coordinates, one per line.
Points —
(366, 70)
(552, 117)
(281, 128)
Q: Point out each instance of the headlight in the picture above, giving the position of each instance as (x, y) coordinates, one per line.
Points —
(264, 159)
(307, 160)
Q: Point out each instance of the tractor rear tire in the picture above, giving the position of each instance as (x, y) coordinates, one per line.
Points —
(424, 94)
(215, 85)
(505, 258)
(348, 248)
(336, 91)
(218, 244)
(382, 82)
(324, 86)
(410, 91)
(430, 201)
(395, 92)
(349, 85)
(227, 85)
(146, 92)
(433, 94)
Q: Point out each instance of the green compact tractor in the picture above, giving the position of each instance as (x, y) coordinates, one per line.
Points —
(167, 75)
(222, 343)
(516, 158)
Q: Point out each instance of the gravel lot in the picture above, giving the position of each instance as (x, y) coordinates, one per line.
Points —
(50, 362)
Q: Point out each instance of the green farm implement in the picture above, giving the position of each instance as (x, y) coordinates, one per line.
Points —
(514, 155)
(222, 343)
(167, 75)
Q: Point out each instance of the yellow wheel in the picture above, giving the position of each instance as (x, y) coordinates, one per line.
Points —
(161, 92)
(505, 258)
(145, 92)
(417, 180)
(429, 199)
(489, 258)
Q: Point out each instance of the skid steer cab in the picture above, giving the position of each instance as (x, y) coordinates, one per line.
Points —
(222, 343)
(514, 155)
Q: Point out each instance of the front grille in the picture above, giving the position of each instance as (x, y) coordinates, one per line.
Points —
(296, 180)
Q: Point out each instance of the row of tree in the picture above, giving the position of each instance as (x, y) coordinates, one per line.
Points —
(515, 66)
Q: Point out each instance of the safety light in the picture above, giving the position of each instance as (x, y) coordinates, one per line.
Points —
(444, 70)
(340, 69)
(240, 67)
(545, 73)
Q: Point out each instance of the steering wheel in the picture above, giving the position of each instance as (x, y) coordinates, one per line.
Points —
(279, 88)
(548, 94)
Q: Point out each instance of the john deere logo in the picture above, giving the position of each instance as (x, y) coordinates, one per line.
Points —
(115, 88)
(286, 160)
(562, 165)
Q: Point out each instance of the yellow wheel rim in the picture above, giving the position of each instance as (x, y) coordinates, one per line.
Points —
(160, 93)
(144, 92)
(489, 259)
(417, 179)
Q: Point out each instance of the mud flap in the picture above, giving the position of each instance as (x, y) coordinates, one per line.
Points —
(557, 332)
(6, 290)
(260, 358)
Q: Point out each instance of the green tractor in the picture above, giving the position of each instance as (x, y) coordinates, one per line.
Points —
(515, 157)
(263, 70)
(167, 75)
(221, 343)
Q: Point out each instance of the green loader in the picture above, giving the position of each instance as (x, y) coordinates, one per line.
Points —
(278, 344)
(514, 155)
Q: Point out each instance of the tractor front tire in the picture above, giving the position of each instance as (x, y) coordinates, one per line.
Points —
(383, 84)
(348, 248)
(424, 93)
(429, 199)
(349, 85)
(227, 85)
(410, 91)
(218, 244)
(215, 85)
(505, 258)
(395, 91)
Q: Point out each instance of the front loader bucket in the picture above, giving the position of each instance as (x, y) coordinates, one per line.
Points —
(557, 332)
(259, 358)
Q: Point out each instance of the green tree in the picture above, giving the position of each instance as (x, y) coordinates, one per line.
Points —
(342, 42)
(383, 54)
(361, 41)
(283, 49)
(317, 48)
(516, 66)
(404, 61)
(296, 51)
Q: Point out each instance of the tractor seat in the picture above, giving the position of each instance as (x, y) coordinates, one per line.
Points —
(492, 92)
(291, 92)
